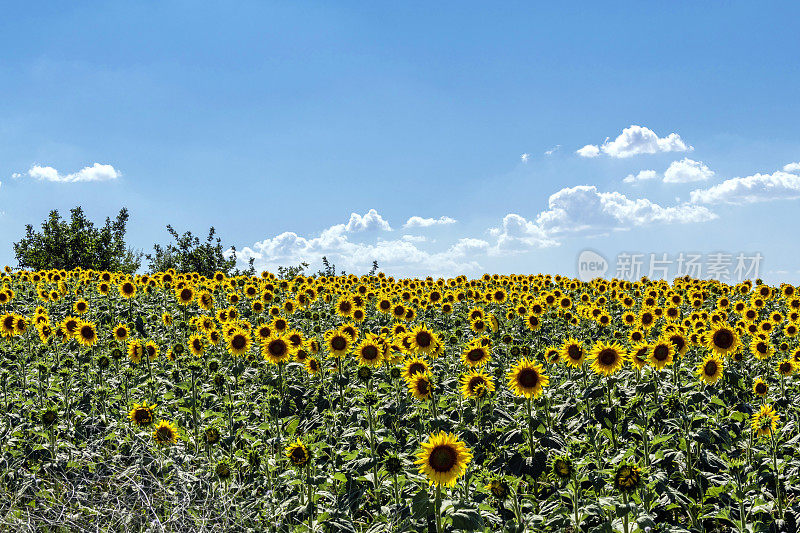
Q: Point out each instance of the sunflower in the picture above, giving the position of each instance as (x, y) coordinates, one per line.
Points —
(277, 348)
(572, 352)
(476, 355)
(662, 353)
(196, 344)
(151, 349)
(638, 355)
(344, 307)
(420, 386)
(760, 388)
(298, 453)
(87, 334)
(121, 332)
(526, 379)
(765, 421)
(239, 342)
(710, 369)
(205, 300)
(443, 459)
(337, 342)
(722, 340)
(561, 467)
(312, 365)
(165, 433)
(135, 351)
(142, 414)
(69, 325)
(785, 368)
(476, 384)
(414, 366)
(369, 352)
(607, 358)
(423, 340)
(627, 478)
(80, 307)
(761, 349)
(184, 295)
(127, 290)
(214, 337)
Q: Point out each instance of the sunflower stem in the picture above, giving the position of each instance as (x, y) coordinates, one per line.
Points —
(438, 508)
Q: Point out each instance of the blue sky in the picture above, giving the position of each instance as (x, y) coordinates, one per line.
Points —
(307, 129)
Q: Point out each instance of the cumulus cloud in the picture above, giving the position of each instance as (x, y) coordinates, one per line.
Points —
(791, 167)
(419, 222)
(583, 209)
(96, 172)
(636, 140)
(517, 233)
(643, 175)
(590, 150)
(756, 188)
(370, 221)
(687, 170)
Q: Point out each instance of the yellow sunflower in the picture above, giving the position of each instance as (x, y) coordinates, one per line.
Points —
(423, 340)
(165, 433)
(338, 343)
(298, 453)
(527, 379)
(142, 414)
(765, 421)
(722, 340)
(607, 358)
(475, 354)
(661, 354)
(370, 351)
(476, 384)
(86, 334)
(277, 348)
(420, 386)
(572, 352)
(710, 369)
(414, 366)
(443, 459)
(239, 342)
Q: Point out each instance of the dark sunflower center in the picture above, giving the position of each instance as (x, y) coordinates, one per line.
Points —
(196, 344)
(711, 368)
(786, 367)
(475, 354)
(277, 348)
(142, 416)
(761, 347)
(574, 352)
(423, 339)
(298, 455)
(87, 333)
(345, 307)
(528, 378)
(723, 339)
(338, 343)
(422, 387)
(661, 353)
(476, 382)
(295, 339)
(127, 288)
(370, 353)
(164, 434)
(761, 388)
(416, 368)
(443, 458)
(238, 342)
(678, 342)
(608, 357)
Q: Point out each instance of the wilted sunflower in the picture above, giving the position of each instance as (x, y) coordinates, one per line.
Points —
(561, 467)
(420, 386)
(765, 421)
(710, 369)
(443, 459)
(722, 340)
(527, 379)
(662, 353)
(476, 355)
(627, 478)
(476, 384)
(572, 352)
(298, 453)
(142, 414)
(607, 358)
(165, 433)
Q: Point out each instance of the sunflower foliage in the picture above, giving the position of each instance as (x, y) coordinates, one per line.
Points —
(189, 401)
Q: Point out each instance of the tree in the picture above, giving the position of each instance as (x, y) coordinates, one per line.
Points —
(63, 244)
(189, 254)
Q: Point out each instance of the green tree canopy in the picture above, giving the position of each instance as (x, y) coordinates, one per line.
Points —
(68, 244)
(189, 254)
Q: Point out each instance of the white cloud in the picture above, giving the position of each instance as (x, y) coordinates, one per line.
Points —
(791, 167)
(414, 238)
(643, 175)
(524, 157)
(96, 172)
(636, 140)
(590, 150)
(468, 246)
(518, 234)
(687, 170)
(370, 221)
(756, 188)
(419, 222)
(583, 209)
(553, 150)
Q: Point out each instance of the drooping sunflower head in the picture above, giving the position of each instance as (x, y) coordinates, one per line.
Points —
(498, 487)
(607, 358)
(527, 379)
(298, 453)
(443, 459)
(765, 421)
(142, 414)
(165, 433)
(561, 467)
(312, 365)
(627, 477)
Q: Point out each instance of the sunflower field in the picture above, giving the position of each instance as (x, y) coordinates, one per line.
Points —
(175, 402)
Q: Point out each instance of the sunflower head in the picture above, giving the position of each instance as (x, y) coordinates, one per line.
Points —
(710, 369)
(476, 384)
(420, 386)
(443, 459)
(298, 453)
(165, 433)
(627, 477)
(765, 421)
(607, 358)
(142, 414)
(527, 379)
(561, 467)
